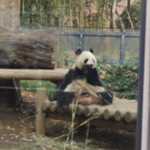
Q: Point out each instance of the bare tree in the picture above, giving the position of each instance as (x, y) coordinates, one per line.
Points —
(113, 13)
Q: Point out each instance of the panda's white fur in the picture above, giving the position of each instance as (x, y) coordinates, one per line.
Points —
(80, 60)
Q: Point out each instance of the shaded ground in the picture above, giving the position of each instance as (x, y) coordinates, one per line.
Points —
(17, 132)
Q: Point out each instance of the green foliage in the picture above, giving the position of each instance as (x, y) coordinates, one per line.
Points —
(102, 63)
(33, 84)
(122, 79)
(68, 61)
(77, 13)
(134, 14)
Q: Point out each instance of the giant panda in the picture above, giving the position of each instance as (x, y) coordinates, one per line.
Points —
(82, 82)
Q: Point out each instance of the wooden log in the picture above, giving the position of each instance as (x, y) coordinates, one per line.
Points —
(40, 116)
(27, 49)
(130, 117)
(90, 110)
(52, 106)
(80, 109)
(32, 74)
(119, 115)
(109, 114)
(99, 111)
(33, 56)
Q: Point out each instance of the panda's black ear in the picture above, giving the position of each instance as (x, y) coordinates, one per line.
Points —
(91, 50)
(78, 52)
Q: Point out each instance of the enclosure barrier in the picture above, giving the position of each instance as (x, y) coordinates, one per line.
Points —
(120, 115)
(81, 37)
(33, 74)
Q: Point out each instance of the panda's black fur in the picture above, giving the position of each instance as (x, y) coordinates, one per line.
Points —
(88, 73)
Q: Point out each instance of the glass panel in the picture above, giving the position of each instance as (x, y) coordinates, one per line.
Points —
(95, 104)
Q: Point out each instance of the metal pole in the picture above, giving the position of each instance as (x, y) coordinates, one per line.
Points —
(122, 48)
(143, 128)
(81, 39)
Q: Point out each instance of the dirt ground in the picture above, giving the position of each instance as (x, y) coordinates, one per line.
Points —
(17, 132)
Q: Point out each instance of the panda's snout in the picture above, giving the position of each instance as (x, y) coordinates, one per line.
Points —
(91, 65)
(88, 67)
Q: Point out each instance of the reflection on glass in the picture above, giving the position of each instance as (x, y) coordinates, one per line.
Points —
(38, 40)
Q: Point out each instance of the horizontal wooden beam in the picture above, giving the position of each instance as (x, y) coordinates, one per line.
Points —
(33, 74)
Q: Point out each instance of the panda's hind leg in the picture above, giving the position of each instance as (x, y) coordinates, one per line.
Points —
(106, 97)
(63, 100)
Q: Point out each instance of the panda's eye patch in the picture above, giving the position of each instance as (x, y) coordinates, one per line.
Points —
(85, 61)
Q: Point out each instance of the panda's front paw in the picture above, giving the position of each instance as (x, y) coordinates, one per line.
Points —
(87, 69)
(106, 96)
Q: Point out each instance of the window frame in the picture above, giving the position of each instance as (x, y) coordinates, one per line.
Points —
(143, 120)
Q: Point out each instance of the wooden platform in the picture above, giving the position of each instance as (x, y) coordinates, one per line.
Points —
(120, 115)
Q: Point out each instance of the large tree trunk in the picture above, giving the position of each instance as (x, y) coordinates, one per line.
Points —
(26, 49)
(22, 49)
(113, 11)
